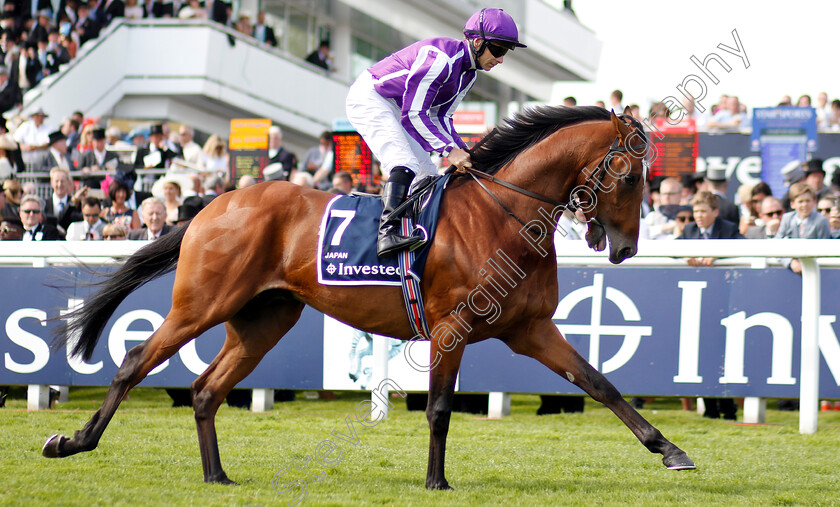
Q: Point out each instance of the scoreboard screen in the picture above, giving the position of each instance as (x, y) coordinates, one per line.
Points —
(676, 152)
(352, 155)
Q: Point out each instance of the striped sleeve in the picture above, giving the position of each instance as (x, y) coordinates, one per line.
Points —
(430, 70)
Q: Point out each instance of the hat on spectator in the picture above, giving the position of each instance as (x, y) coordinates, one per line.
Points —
(190, 208)
(99, 133)
(815, 165)
(157, 128)
(793, 173)
(113, 131)
(273, 171)
(40, 111)
(56, 137)
(672, 210)
(7, 142)
(717, 174)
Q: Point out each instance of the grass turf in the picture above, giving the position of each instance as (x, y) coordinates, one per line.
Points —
(149, 456)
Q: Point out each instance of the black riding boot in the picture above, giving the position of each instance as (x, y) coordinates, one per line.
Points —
(394, 193)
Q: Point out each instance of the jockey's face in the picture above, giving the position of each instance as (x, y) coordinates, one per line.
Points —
(486, 60)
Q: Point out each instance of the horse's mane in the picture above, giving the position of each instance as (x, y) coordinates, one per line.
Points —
(526, 129)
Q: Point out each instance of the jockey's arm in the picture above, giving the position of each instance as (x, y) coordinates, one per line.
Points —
(460, 158)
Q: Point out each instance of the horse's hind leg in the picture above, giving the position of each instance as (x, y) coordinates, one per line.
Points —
(544, 343)
(139, 361)
(250, 335)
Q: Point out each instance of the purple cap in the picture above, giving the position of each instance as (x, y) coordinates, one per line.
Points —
(493, 24)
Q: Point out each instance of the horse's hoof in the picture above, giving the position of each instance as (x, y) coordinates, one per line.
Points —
(50, 449)
(439, 485)
(679, 461)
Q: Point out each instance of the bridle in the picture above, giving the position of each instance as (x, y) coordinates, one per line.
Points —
(575, 202)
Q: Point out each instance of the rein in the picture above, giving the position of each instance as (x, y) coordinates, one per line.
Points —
(573, 204)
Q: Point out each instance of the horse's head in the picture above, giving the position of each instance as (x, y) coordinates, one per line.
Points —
(612, 198)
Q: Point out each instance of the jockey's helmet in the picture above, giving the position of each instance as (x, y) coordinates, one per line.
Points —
(495, 25)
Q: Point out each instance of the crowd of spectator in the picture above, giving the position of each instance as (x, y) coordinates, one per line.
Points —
(727, 114)
(34, 44)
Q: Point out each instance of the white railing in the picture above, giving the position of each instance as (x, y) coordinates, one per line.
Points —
(754, 253)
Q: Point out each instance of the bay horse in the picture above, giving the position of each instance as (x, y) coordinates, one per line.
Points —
(249, 260)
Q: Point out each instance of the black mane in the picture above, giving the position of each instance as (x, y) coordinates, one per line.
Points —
(526, 129)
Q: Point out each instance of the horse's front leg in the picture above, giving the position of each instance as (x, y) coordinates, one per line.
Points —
(544, 343)
(445, 361)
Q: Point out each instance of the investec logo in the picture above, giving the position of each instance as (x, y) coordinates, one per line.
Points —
(365, 269)
(595, 329)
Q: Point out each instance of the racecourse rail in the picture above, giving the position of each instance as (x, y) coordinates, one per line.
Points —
(754, 253)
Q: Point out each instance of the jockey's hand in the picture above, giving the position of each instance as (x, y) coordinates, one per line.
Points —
(460, 158)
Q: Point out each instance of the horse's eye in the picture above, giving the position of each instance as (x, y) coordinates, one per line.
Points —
(631, 180)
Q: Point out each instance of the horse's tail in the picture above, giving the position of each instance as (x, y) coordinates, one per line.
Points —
(148, 263)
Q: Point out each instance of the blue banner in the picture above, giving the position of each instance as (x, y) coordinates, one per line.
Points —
(785, 122)
(651, 331)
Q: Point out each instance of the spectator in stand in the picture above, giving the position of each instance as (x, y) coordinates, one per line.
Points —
(342, 183)
(728, 117)
(36, 227)
(40, 28)
(114, 142)
(684, 215)
(5, 211)
(55, 156)
(834, 122)
(660, 226)
(570, 102)
(692, 113)
(192, 10)
(246, 181)
(636, 112)
(68, 38)
(118, 212)
(171, 198)
(824, 113)
(802, 222)
(214, 186)
(97, 159)
(154, 218)
(108, 10)
(716, 182)
(190, 150)
(114, 232)
(197, 185)
(824, 207)
(13, 192)
(33, 136)
(87, 27)
(770, 211)
(707, 224)
(749, 209)
(29, 67)
(315, 156)
(85, 141)
(215, 156)
(263, 32)
(7, 168)
(303, 179)
(10, 94)
(615, 102)
(89, 229)
(277, 154)
(691, 183)
(815, 177)
(321, 57)
(834, 222)
(786, 101)
(59, 53)
(243, 25)
(132, 10)
(804, 101)
(599, 103)
(157, 154)
(64, 205)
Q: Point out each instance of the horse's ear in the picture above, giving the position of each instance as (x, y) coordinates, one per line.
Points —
(620, 127)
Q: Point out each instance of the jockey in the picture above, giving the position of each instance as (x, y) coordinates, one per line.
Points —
(403, 105)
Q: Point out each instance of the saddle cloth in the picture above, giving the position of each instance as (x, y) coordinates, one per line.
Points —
(349, 230)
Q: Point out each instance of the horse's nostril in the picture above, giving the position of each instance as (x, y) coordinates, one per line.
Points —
(627, 252)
